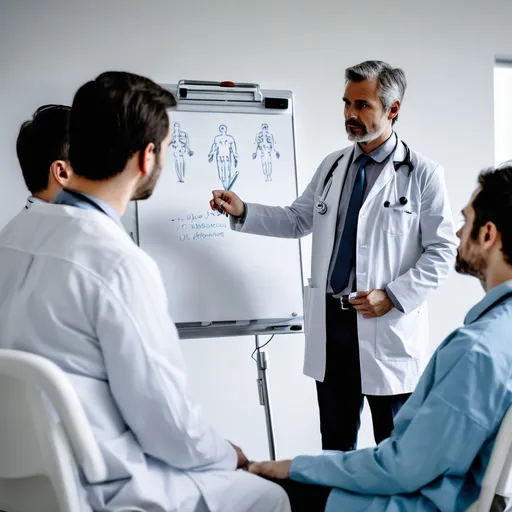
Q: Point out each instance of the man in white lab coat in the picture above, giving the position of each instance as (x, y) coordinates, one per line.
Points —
(382, 227)
(42, 148)
(77, 290)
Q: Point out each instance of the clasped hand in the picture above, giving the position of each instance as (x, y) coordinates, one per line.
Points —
(279, 470)
(372, 303)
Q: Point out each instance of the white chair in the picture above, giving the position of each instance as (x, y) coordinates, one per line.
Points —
(498, 476)
(45, 438)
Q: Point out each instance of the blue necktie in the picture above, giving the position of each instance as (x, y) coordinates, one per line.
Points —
(347, 249)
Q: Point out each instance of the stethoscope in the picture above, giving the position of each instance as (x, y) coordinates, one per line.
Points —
(321, 205)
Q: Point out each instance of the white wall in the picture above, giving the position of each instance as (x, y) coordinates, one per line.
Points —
(48, 48)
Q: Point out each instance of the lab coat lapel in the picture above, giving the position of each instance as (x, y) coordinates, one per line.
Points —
(335, 196)
(324, 233)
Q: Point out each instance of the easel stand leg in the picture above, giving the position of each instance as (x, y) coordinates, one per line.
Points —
(261, 362)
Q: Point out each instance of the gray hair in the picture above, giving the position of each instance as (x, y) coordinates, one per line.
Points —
(392, 82)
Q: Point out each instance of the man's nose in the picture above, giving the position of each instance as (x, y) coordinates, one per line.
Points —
(350, 113)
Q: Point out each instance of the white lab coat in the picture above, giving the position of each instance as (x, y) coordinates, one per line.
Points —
(409, 252)
(77, 290)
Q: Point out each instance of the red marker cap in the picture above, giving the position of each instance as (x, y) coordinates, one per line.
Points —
(227, 84)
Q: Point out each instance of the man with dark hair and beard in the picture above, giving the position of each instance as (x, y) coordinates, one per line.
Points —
(440, 448)
(77, 290)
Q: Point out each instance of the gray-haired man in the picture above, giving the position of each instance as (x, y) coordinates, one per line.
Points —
(382, 227)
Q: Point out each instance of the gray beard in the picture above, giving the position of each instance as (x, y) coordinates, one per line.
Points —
(368, 136)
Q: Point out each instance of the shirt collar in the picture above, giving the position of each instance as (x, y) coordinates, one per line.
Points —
(490, 298)
(382, 152)
(32, 199)
(109, 210)
(70, 197)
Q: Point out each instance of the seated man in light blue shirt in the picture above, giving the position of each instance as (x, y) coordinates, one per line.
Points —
(439, 450)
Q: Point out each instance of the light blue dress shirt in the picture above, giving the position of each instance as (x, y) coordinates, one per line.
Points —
(437, 454)
(80, 200)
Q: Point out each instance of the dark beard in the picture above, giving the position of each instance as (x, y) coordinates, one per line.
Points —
(145, 190)
(464, 267)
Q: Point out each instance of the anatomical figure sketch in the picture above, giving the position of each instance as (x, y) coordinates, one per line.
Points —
(226, 155)
(180, 148)
(265, 145)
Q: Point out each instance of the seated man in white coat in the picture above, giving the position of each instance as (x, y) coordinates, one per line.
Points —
(42, 148)
(437, 455)
(77, 290)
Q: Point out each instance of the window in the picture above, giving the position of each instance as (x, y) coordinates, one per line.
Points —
(503, 111)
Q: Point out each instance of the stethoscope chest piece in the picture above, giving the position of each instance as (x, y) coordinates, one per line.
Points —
(321, 207)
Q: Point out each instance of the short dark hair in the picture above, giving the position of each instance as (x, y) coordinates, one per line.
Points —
(392, 82)
(112, 118)
(41, 141)
(493, 203)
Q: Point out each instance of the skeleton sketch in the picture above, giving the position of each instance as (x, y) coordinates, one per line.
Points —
(225, 152)
(265, 144)
(180, 147)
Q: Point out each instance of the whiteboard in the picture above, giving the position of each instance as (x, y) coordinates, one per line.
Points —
(214, 276)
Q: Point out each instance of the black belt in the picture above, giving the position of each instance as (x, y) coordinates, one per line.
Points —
(343, 301)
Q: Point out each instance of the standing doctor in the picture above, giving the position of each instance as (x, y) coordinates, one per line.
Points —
(382, 227)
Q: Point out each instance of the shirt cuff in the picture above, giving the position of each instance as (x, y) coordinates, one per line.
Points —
(302, 468)
(394, 300)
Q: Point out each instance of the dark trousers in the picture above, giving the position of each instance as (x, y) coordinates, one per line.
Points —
(305, 497)
(340, 397)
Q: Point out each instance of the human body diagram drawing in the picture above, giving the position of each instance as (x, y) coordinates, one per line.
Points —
(265, 145)
(226, 155)
(180, 146)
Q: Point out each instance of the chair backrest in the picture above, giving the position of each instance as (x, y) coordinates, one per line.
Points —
(498, 476)
(44, 430)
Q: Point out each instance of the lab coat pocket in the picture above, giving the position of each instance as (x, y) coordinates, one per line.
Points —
(399, 336)
(397, 221)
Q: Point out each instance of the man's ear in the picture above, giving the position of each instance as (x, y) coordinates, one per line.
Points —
(147, 159)
(60, 172)
(489, 234)
(395, 108)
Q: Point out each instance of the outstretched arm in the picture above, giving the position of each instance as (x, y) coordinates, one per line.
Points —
(437, 434)
(294, 221)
